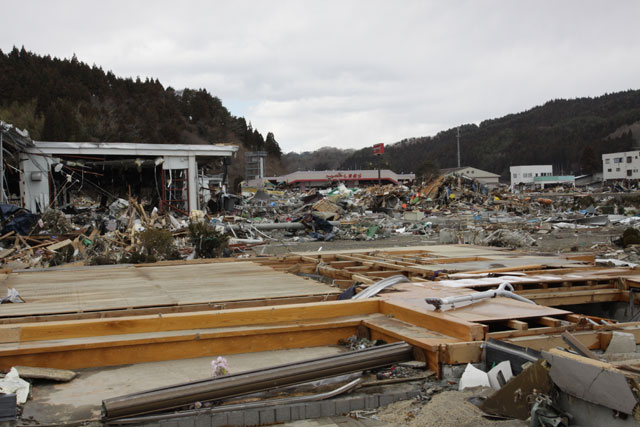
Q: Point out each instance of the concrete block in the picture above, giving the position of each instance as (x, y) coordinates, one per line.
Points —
(219, 419)
(343, 406)
(298, 411)
(453, 371)
(386, 399)
(283, 414)
(312, 410)
(267, 416)
(371, 402)
(412, 394)
(357, 403)
(186, 422)
(235, 418)
(202, 421)
(169, 423)
(251, 418)
(447, 236)
(621, 342)
(328, 408)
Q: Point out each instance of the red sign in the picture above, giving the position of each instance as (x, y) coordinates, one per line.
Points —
(378, 149)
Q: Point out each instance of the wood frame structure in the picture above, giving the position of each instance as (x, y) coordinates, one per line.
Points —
(107, 337)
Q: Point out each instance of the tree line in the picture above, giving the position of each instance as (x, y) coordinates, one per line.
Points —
(68, 100)
(570, 134)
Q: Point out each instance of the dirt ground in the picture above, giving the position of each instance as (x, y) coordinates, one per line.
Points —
(447, 409)
(557, 241)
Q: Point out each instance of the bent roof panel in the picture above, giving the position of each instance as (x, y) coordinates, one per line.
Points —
(132, 149)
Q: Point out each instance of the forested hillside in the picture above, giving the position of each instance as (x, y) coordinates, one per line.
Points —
(325, 158)
(67, 100)
(571, 135)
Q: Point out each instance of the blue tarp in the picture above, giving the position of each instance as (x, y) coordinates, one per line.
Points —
(15, 218)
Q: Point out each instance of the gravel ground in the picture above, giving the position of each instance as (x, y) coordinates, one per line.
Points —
(557, 241)
(447, 409)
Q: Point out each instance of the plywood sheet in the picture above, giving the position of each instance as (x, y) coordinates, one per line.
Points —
(92, 289)
(412, 295)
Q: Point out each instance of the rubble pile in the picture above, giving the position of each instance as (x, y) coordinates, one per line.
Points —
(445, 210)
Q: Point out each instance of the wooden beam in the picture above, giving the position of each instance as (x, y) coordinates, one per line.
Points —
(464, 352)
(549, 321)
(518, 324)
(435, 321)
(181, 346)
(577, 297)
(183, 321)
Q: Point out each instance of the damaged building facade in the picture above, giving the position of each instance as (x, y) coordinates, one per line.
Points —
(351, 178)
(170, 173)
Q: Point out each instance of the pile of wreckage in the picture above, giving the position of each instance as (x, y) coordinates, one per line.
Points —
(445, 210)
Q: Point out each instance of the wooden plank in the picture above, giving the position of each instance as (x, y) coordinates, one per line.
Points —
(535, 331)
(577, 297)
(465, 352)
(518, 324)
(59, 245)
(403, 331)
(507, 269)
(6, 252)
(437, 322)
(222, 305)
(101, 288)
(549, 321)
(547, 342)
(182, 321)
(182, 347)
(578, 346)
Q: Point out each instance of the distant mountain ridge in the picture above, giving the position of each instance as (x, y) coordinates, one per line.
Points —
(67, 100)
(570, 134)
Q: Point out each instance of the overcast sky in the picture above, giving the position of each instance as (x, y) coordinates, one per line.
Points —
(349, 73)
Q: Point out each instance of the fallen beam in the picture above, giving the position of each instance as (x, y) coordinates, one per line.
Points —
(254, 381)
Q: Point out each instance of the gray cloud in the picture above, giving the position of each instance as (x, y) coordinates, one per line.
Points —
(349, 74)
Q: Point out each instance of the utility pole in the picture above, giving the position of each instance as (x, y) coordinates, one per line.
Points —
(2, 195)
(458, 140)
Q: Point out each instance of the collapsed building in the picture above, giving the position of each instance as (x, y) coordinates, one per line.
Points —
(170, 174)
(323, 332)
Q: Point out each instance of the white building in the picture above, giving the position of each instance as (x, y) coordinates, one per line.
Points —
(483, 177)
(48, 168)
(623, 165)
(526, 174)
(351, 178)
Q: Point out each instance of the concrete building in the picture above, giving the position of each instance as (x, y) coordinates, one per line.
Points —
(171, 170)
(486, 178)
(589, 180)
(622, 165)
(348, 177)
(546, 181)
(526, 174)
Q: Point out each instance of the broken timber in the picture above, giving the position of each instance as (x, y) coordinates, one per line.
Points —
(129, 314)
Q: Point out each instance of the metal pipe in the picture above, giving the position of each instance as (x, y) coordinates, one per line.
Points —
(379, 286)
(254, 381)
(504, 290)
(273, 226)
(245, 406)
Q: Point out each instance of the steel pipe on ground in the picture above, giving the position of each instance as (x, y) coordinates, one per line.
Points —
(254, 381)
(272, 226)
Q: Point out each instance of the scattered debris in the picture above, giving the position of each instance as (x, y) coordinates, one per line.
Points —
(12, 383)
(59, 375)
